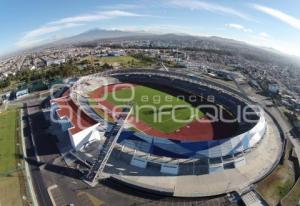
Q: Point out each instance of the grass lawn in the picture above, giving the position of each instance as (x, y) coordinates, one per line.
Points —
(279, 182)
(163, 104)
(8, 140)
(293, 197)
(124, 61)
(10, 192)
(277, 185)
(118, 59)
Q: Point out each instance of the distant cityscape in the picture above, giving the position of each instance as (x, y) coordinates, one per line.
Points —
(199, 55)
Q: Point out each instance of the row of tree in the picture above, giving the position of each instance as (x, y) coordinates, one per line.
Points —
(55, 71)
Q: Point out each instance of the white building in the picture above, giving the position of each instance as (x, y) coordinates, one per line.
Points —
(51, 61)
(22, 93)
(273, 87)
(81, 128)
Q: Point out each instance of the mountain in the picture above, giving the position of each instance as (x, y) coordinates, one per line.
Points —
(96, 34)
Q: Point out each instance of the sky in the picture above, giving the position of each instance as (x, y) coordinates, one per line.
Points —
(273, 24)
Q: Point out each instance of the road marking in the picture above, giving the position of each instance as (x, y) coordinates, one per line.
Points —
(49, 189)
(56, 196)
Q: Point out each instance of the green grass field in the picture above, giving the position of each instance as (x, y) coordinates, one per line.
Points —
(275, 186)
(118, 59)
(124, 61)
(293, 197)
(8, 140)
(10, 190)
(163, 104)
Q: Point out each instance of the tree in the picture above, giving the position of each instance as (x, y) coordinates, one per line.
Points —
(106, 66)
(4, 83)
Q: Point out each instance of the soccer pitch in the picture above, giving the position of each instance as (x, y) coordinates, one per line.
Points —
(159, 110)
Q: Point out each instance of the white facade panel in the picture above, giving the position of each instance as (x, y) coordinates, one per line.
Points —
(169, 169)
(139, 162)
(85, 136)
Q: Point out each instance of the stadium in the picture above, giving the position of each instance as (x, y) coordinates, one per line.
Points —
(169, 125)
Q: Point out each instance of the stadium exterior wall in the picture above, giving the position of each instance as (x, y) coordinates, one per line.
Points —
(81, 138)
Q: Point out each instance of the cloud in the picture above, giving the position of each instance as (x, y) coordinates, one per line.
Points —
(238, 27)
(24, 43)
(95, 17)
(49, 29)
(290, 20)
(264, 35)
(160, 29)
(212, 7)
(41, 34)
(123, 6)
(265, 40)
(37, 36)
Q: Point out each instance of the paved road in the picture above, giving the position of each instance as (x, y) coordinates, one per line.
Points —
(34, 164)
(44, 159)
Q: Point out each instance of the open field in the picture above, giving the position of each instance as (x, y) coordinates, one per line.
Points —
(276, 186)
(118, 59)
(293, 197)
(124, 61)
(156, 108)
(10, 193)
(279, 182)
(8, 126)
